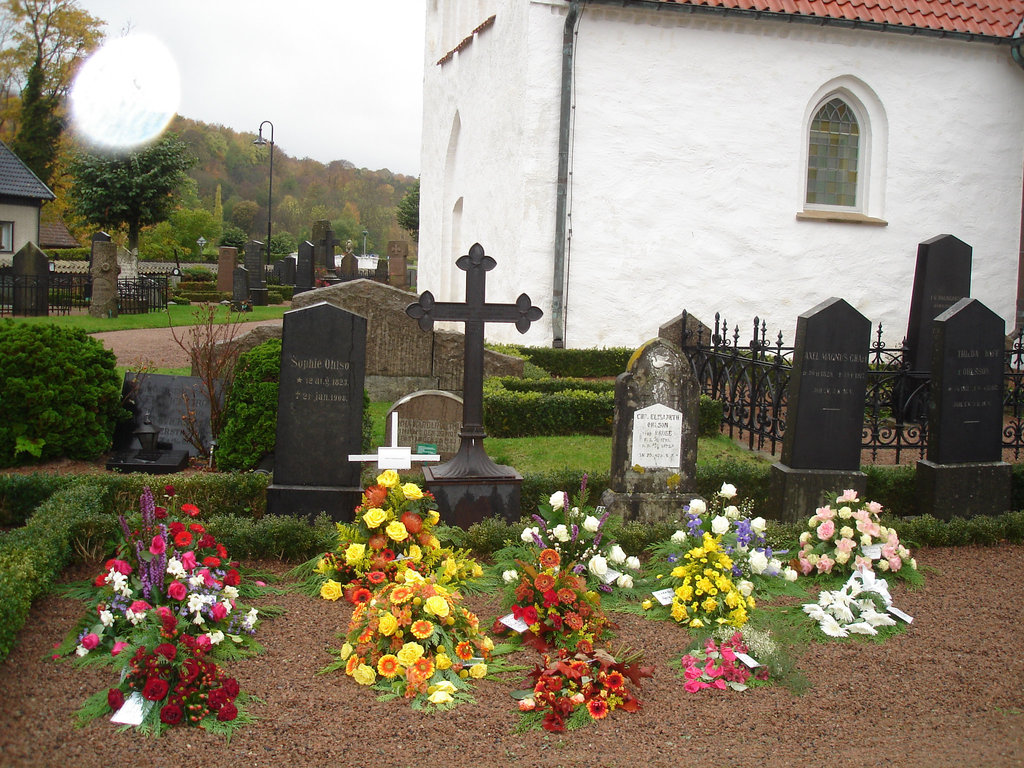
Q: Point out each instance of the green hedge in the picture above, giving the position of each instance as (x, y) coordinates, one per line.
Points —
(579, 363)
(61, 394)
(32, 557)
(21, 494)
(207, 297)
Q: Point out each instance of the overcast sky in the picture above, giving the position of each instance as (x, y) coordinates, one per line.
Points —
(339, 79)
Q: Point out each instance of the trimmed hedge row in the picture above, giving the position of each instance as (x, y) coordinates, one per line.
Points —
(525, 408)
(33, 556)
(579, 363)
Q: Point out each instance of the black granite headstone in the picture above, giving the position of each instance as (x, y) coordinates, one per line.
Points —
(168, 400)
(254, 269)
(239, 288)
(966, 411)
(824, 411)
(324, 242)
(942, 277)
(286, 270)
(31, 271)
(964, 474)
(305, 277)
(320, 413)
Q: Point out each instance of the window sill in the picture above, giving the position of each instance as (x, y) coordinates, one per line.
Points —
(842, 217)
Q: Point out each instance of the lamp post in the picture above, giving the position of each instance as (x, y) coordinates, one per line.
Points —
(201, 242)
(365, 233)
(260, 141)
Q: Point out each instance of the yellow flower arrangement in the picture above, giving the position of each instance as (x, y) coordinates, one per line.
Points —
(331, 590)
(415, 639)
(706, 594)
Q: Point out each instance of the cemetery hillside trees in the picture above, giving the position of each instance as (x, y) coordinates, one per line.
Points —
(45, 41)
(409, 211)
(134, 190)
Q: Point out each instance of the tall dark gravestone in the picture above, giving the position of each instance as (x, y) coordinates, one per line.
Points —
(825, 411)
(471, 487)
(305, 274)
(654, 435)
(319, 413)
(254, 268)
(942, 277)
(31, 271)
(964, 473)
(239, 288)
(324, 242)
(227, 258)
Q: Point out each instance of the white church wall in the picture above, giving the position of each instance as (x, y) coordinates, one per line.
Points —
(689, 171)
(500, 163)
(689, 166)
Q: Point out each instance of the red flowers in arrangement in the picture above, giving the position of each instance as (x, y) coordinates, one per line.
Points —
(719, 666)
(572, 689)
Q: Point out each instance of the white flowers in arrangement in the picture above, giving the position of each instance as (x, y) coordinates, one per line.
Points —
(854, 608)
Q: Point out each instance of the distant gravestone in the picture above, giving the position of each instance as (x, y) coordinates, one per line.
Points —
(104, 279)
(305, 274)
(128, 263)
(170, 402)
(284, 270)
(942, 277)
(398, 259)
(825, 411)
(654, 435)
(239, 288)
(254, 269)
(380, 272)
(31, 272)
(349, 267)
(964, 473)
(227, 258)
(324, 243)
(320, 413)
(429, 422)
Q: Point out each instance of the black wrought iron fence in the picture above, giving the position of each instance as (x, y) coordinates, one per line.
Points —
(751, 379)
(137, 296)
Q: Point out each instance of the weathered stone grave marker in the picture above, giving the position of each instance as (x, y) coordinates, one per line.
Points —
(471, 487)
(964, 474)
(254, 269)
(825, 412)
(104, 279)
(654, 435)
(320, 413)
(239, 288)
(430, 419)
(394, 456)
(398, 258)
(227, 258)
(324, 242)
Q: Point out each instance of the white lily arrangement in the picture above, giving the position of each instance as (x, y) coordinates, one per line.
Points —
(859, 607)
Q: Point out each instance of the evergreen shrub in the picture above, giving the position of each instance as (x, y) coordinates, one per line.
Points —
(579, 363)
(61, 394)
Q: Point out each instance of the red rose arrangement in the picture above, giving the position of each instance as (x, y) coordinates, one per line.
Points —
(570, 690)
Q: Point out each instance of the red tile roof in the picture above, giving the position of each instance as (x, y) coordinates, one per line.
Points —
(987, 18)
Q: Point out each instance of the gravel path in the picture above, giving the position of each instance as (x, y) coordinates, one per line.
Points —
(947, 692)
(156, 347)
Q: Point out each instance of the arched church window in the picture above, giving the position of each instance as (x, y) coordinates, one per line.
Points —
(833, 156)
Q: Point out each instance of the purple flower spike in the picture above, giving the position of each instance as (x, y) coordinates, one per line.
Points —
(575, 533)
(539, 541)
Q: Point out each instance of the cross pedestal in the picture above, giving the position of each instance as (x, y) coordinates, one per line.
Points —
(471, 487)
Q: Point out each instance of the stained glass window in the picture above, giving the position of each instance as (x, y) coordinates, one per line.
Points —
(832, 156)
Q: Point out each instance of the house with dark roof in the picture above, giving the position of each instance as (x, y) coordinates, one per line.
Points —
(22, 195)
(623, 160)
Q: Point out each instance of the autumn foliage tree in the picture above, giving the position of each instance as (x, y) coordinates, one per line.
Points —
(133, 190)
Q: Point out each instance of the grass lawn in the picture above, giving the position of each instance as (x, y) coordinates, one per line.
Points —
(175, 315)
(584, 453)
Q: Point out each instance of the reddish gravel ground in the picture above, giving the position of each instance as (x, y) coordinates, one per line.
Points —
(947, 692)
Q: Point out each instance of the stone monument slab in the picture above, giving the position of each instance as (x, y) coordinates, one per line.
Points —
(305, 274)
(31, 271)
(964, 474)
(654, 435)
(227, 258)
(320, 413)
(825, 410)
(941, 278)
(168, 400)
(254, 270)
(104, 279)
(398, 259)
(429, 418)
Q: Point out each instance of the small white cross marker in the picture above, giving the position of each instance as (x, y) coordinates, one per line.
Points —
(392, 456)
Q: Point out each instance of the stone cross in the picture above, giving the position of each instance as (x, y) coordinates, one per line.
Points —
(393, 456)
(471, 460)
